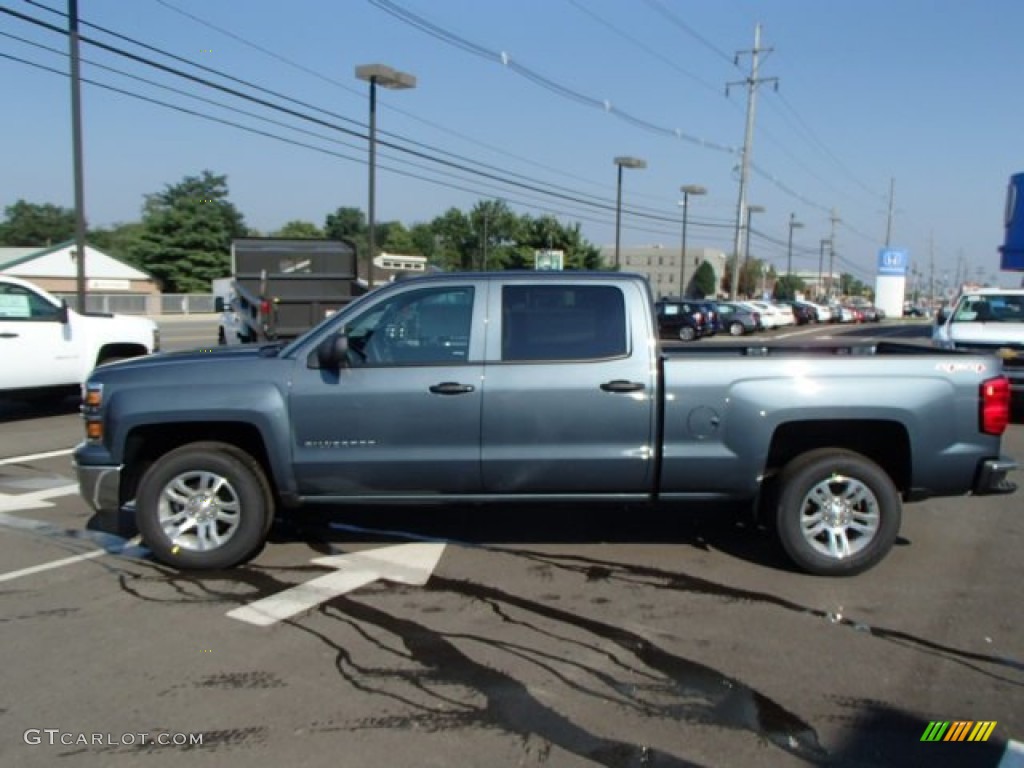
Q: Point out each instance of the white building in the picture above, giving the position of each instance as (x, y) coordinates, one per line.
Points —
(54, 269)
(660, 265)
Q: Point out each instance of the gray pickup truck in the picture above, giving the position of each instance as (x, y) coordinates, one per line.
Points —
(535, 387)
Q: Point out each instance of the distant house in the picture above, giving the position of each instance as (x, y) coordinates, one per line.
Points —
(387, 266)
(53, 268)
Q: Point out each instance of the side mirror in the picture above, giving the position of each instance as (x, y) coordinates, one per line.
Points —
(941, 316)
(62, 313)
(332, 352)
(218, 304)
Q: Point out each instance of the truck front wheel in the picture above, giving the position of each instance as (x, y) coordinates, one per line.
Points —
(204, 506)
(838, 512)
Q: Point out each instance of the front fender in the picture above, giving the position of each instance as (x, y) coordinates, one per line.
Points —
(168, 408)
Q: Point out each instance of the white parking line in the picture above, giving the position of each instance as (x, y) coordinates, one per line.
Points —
(51, 565)
(35, 499)
(36, 456)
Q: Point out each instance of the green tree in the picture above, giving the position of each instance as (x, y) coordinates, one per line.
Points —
(851, 286)
(298, 229)
(424, 241)
(188, 229)
(704, 280)
(26, 224)
(395, 238)
(787, 287)
(457, 244)
(119, 241)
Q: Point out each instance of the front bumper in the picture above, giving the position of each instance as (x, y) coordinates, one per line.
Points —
(991, 478)
(100, 486)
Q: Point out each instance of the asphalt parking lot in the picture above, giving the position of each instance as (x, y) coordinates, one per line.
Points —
(504, 636)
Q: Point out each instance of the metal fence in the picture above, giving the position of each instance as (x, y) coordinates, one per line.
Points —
(143, 304)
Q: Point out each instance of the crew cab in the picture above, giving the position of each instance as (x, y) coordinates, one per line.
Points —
(49, 349)
(535, 387)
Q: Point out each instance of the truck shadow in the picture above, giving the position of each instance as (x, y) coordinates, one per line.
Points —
(22, 410)
(722, 528)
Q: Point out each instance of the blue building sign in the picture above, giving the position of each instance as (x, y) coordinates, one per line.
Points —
(1012, 251)
(893, 261)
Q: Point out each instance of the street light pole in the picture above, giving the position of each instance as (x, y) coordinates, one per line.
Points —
(687, 190)
(385, 77)
(622, 162)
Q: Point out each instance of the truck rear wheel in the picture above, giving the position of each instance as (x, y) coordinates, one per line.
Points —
(838, 512)
(204, 506)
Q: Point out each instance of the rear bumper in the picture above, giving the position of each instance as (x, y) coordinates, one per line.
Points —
(991, 478)
(100, 486)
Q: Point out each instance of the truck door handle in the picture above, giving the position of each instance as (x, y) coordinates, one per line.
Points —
(8, 335)
(620, 385)
(451, 388)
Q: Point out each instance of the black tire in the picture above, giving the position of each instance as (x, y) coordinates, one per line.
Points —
(686, 333)
(866, 528)
(216, 488)
(737, 329)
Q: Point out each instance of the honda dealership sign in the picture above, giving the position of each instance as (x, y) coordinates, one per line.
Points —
(891, 280)
(893, 261)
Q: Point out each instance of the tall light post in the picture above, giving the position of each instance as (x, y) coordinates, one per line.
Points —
(687, 190)
(751, 210)
(385, 77)
(622, 162)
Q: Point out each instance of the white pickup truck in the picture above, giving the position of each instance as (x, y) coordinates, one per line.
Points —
(47, 349)
(989, 321)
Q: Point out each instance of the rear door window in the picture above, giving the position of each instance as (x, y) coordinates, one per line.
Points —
(562, 322)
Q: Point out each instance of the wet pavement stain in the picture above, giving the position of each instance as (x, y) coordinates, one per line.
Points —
(703, 695)
(656, 578)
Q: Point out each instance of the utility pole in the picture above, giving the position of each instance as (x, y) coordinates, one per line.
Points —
(76, 151)
(931, 268)
(821, 261)
(888, 221)
(752, 82)
(834, 218)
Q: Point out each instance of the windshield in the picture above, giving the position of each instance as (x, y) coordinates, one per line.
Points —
(990, 308)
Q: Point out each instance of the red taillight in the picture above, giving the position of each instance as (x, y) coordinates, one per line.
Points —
(264, 307)
(995, 405)
(698, 316)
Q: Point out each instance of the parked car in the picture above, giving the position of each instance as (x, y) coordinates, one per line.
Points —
(713, 323)
(737, 319)
(802, 313)
(822, 312)
(681, 319)
(771, 317)
(786, 312)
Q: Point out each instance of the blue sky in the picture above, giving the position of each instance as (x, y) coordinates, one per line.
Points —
(925, 93)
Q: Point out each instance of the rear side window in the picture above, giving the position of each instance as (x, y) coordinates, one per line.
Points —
(562, 322)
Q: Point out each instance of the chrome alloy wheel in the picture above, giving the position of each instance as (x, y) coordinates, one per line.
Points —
(839, 517)
(199, 511)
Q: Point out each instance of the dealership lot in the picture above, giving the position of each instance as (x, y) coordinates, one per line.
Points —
(560, 636)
